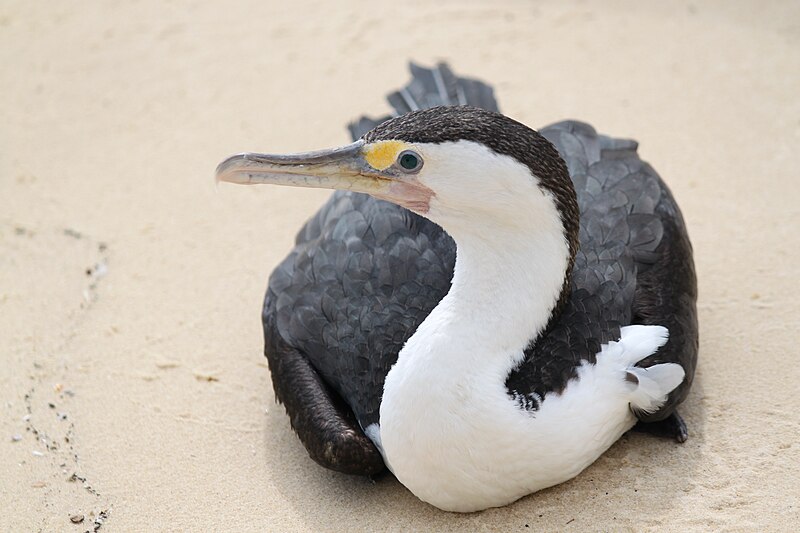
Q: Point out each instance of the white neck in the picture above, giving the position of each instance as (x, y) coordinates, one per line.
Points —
(453, 369)
(511, 260)
(504, 289)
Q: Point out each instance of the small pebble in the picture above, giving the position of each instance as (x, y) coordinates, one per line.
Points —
(26, 418)
(37, 453)
(206, 377)
(100, 270)
(76, 518)
(16, 438)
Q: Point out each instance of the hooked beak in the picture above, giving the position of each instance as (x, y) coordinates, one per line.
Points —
(338, 168)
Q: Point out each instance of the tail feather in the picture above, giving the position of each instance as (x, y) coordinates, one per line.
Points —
(359, 128)
(477, 94)
(430, 88)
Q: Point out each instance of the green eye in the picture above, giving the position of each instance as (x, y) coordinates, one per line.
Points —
(409, 161)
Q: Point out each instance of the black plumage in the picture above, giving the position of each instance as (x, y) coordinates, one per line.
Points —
(365, 273)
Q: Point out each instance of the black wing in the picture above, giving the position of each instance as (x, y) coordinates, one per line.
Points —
(364, 274)
(634, 265)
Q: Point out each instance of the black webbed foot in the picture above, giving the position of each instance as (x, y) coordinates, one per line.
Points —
(671, 427)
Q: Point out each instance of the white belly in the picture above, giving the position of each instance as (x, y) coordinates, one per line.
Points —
(466, 445)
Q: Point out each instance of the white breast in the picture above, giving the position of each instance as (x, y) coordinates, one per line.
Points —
(467, 446)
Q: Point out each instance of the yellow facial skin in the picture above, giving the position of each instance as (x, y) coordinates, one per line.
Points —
(382, 154)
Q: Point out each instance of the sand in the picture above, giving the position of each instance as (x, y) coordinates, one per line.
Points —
(130, 287)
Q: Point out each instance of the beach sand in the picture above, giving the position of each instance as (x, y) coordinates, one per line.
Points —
(133, 390)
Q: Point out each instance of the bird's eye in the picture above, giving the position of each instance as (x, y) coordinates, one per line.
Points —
(409, 161)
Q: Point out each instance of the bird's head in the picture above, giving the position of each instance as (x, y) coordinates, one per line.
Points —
(467, 169)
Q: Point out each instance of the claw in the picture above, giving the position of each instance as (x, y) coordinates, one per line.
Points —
(671, 427)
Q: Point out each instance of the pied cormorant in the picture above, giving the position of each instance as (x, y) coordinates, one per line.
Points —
(482, 308)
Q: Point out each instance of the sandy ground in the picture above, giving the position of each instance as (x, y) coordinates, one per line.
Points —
(131, 373)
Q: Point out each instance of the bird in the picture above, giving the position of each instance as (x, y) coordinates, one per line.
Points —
(481, 308)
